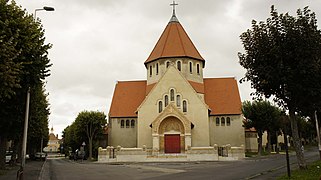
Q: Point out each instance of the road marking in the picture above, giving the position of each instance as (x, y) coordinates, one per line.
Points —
(165, 170)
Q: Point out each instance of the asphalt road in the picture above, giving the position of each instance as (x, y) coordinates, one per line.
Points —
(250, 168)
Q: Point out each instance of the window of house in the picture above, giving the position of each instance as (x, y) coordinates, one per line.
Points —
(160, 106)
(166, 100)
(228, 121)
(127, 123)
(222, 121)
(190, 67)
(179, 65)
(167, 64)
(184, 106)
(178, 101)
(172, 95)
(217, 121)
(150, 71)
(132, 123)
(198, 68)
(156, 68)
(122, 123)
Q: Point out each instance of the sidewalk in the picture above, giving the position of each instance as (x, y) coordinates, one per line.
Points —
(31, 172)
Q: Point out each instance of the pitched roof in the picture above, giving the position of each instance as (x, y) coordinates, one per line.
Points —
(174, 42)
(222, 96)
(128, 95)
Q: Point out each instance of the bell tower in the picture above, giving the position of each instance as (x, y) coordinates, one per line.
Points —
(174, 48)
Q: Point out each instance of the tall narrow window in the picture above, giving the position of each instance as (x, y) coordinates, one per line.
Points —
(172, 95)
(184, 106)
(150, 71)
(167, 64)
(222, 121)
(127, 123)
(132, 123)
(228, 121)
(178, 101)
(166, 100)
(217, 121)
(156, 68)
(198, 68)
(122, 124)
(190, 67)
(160, 106)
(179, 65)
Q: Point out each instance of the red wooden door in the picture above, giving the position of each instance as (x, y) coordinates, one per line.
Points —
(172, 143)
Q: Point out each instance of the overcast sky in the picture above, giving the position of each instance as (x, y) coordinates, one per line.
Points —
(98, 42)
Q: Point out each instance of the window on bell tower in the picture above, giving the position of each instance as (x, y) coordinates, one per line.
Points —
(150, 71)
(198, 68)
(179, 65)
(172, 94)
(191, 67)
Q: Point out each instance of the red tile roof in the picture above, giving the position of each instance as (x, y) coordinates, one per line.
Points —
(221, 95)
(128, 95)
(174, 42)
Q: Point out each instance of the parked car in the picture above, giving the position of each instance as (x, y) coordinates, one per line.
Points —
(40, 155)
(8, 156)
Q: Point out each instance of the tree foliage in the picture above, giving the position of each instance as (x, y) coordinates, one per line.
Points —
(283, 59)
(87, 127)
(262, 116)
(24, 63)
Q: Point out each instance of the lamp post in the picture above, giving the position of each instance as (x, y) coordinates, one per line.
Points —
(25, 129)
(42, 9)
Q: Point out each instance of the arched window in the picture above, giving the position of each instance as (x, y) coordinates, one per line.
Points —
(217, 121)
(132, 123)
(184, 106)
(172, 95)
(127, 123)
(222, 121)
(122, 123)
(166, 100)
(190, 67)
(178, 101)
(150, 71)
(198, 68)
(167, 64)
(179, 65)
(228, 121)
(160, 106)
(156, 68)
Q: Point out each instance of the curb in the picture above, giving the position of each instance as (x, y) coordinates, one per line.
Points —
(40, 177)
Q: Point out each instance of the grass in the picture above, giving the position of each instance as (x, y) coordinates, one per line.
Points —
(312, 172)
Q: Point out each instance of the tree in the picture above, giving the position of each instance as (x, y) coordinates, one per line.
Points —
(91, 123)
(283, 59)
(23, 63)
(262, 116)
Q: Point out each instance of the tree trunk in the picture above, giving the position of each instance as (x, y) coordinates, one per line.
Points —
(259, 153)
(3, 148)
(277, 142)
(90, 148)
(268, 142)
(296, 140)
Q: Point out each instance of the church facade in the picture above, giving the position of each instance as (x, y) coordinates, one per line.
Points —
(176, 112)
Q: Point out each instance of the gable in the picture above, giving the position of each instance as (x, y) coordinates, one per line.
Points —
(222, 96)
(128, 95)
(173, 79)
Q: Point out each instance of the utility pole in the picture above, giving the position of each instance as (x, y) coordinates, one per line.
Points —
(318, 133)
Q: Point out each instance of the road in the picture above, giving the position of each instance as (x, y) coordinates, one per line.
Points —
(250, 168)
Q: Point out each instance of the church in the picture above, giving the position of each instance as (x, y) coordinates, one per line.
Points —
(175, 114)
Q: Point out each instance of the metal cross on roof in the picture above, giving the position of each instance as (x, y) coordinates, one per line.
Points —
(174, 4)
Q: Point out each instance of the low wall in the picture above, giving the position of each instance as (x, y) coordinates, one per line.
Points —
(215, 153)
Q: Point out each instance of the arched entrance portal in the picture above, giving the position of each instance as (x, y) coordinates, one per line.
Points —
(172, 135)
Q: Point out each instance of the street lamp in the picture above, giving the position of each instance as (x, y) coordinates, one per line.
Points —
(25, 130)
(44, 8)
